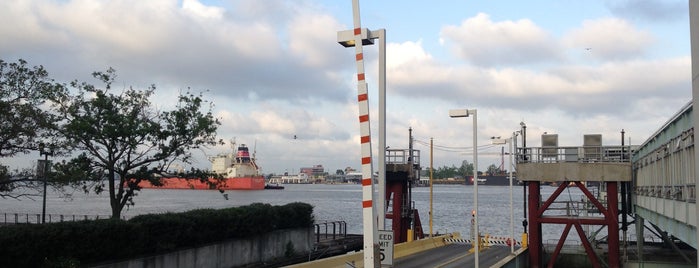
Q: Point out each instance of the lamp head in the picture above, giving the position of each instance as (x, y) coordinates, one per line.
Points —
(458, 113)
(498, 140)
(346, 38)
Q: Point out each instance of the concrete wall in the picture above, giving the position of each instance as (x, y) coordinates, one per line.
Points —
(633, 264)
(227, 254)
(553, 172)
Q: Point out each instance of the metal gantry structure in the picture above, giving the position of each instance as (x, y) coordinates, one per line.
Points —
(402, 173)
(606, 166)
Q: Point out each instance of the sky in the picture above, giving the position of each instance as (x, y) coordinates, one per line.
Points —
(282, 84)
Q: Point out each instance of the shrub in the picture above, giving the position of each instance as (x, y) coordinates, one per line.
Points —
(74, 244)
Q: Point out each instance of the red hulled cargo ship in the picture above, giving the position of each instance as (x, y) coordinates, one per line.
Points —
(239, 170)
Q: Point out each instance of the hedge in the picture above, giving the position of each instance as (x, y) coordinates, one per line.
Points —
(74, 244)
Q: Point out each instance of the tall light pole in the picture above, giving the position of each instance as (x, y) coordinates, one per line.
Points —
(512, 211)
(524, 183)
(466, 113)
(45, 170)
(346, 39)
(431, 182)
(509, 169)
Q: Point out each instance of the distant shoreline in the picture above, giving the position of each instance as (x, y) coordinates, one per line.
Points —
(443, 181)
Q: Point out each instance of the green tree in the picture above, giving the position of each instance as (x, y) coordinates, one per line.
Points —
(123, 139)
(445, 172)
(466, 169)
(24, 122)
(339, 172)
(493, 169)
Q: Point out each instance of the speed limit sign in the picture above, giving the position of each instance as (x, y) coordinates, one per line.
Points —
(386, 247)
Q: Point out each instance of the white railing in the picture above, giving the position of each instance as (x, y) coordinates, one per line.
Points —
(401, 156)
(579, 154)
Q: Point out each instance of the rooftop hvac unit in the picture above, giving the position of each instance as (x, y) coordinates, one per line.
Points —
(592, 146)
(549, 144)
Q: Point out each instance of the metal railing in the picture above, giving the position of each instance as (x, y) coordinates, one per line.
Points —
(685, 192)
(573, 208)
(579, 154)
(339, 229)
(401, 156)
(27, 218)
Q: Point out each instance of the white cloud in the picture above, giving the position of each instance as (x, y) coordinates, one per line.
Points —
(198, 9)
(406, 53)
(609, 39)
(27, 27)
(310, 39)
(120, 27)
(274, 69)
(230, 53)
(481, 41)
(575, 89)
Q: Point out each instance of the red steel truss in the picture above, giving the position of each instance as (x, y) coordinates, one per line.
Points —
(537, 218)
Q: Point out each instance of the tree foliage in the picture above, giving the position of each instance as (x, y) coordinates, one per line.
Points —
(444, 172)
(124, 139)
(494, 170)
(25, 120)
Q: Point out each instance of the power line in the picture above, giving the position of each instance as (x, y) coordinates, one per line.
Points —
(454, 149)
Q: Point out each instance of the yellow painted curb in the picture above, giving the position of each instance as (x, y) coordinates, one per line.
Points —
(399, 250)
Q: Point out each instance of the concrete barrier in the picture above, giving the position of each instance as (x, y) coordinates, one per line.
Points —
(230, 253)
(520, 259)
(400, 250)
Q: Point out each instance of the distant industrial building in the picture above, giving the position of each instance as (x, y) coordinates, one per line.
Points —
(316, 171)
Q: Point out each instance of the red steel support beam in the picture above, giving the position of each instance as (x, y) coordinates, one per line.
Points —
(588, 248)
(537, 218)
(395, 193)
(535, 242)
(592, 198)
(559, 246)
(613, 225)
(552, 198)
(566, 220)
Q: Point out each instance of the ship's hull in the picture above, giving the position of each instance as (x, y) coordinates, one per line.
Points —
(497, 180)
(242, 183)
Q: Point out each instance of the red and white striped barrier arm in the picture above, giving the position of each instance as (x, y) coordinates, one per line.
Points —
(368, 212)
(486, 241)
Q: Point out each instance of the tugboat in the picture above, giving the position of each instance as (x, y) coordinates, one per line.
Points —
(274, 187)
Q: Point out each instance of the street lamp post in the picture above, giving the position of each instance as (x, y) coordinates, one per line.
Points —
(509, 169)
(512, 212)
(46, 153)
(346, 39)
(466, 113)
(524, 183)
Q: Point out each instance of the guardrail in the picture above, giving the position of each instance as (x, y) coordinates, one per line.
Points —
(579, 154)
(27, 218)
(402, 156)
(574, 208)
(339, 229)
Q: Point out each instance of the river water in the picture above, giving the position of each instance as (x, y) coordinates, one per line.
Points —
(452, 205)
